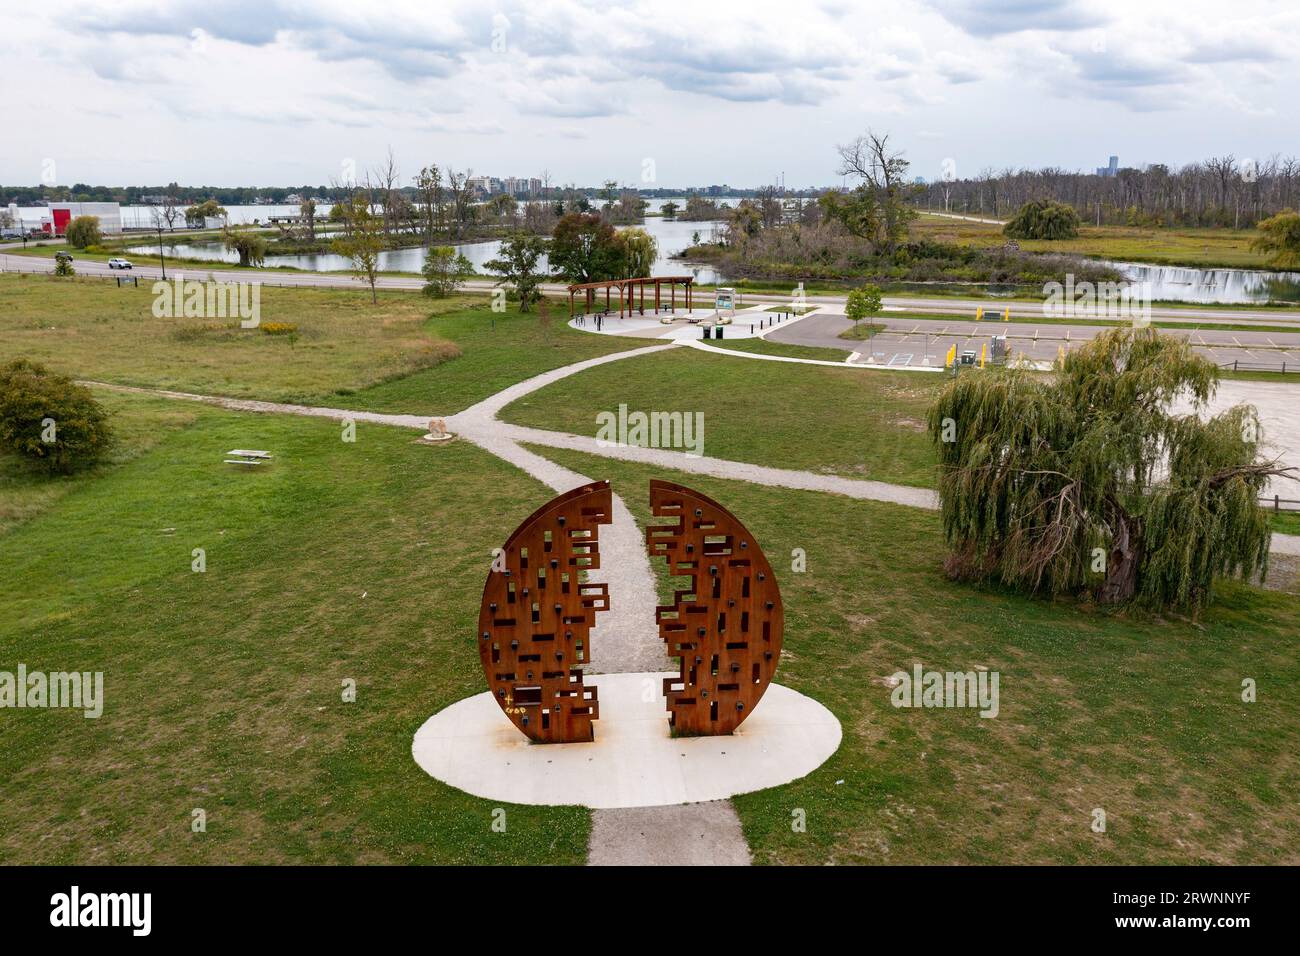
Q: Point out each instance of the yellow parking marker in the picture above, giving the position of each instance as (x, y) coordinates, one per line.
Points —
(1006, 314)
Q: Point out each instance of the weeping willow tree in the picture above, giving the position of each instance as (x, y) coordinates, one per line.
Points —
(1043, 219)
(1089, 482)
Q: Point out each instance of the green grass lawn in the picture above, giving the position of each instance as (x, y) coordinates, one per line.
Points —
(223, 689)
(1135, 715)
(408, 353)
(841, 421)
(496, 351)
(1287, 522)
(788, 350)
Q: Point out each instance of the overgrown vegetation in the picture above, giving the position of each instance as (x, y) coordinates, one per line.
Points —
(50, 419)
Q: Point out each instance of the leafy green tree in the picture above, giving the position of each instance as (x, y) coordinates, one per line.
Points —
(863, 303)
(208, 209)
(638, 251)
(443, 269)
(698, 209)
(1280, 239)
(502, 206)
(857, 211)
(1090, 483)
(744, 221)
(517, 267)
(49, 418)
(83, 231)
(1043, 219)
(669, 209)
(363, 241)
(250, 246)
(878, 209)
(585, 248)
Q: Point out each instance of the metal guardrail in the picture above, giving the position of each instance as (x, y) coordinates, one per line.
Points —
(1251, 367)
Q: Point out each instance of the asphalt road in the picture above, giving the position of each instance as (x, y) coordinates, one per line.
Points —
(910, 341)
(958, 307)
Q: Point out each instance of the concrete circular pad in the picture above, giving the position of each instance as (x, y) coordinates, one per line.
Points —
(633, 762)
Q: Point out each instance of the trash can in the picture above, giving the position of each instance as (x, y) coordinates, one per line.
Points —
(717, 331)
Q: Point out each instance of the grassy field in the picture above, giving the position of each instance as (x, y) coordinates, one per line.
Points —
(839, 421)
(1138, 716)
(408, 353)
(1287, 522)
(788, 350)
(223, 689)
(1187, 247)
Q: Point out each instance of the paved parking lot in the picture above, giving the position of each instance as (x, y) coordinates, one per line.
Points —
(908, 341)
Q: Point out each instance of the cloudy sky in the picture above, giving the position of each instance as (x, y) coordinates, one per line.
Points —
(678, 92)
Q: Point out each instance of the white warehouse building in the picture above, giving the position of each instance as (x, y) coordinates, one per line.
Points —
(60, 214)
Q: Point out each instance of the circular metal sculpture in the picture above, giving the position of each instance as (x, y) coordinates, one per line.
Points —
(536, 618)
(727, 626)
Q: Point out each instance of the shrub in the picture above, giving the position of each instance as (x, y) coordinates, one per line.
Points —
(443, 268)
(63, 268)
(279, 328)
(1280, 239)
(83, 231)
(1043, 219)
(50, 418)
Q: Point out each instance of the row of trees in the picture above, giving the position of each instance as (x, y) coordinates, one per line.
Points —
(1222, 191)
(583, 247)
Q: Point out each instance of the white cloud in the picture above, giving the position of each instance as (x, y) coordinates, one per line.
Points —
(730, 89)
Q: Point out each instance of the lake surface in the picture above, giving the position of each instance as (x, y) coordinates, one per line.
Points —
(673, 236)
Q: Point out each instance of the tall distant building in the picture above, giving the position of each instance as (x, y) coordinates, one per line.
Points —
(1111, 169)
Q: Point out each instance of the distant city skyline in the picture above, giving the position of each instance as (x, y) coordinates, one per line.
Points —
(280, 92)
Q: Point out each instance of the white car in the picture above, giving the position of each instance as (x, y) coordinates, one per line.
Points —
(118, 264)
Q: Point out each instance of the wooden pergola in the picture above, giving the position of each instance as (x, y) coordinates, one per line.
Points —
(627, 292)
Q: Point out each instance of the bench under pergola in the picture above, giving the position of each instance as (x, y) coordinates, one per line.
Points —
(627, 292)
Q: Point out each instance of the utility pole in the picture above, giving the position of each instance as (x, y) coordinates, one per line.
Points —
(161, 260)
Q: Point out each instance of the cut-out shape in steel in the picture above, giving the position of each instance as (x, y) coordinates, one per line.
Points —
(537, 613)
(727, 627)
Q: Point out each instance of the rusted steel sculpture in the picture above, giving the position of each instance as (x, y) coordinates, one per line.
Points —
(536, 618)
(727, 626)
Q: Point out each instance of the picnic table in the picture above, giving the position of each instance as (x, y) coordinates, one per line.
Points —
(246, 456)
